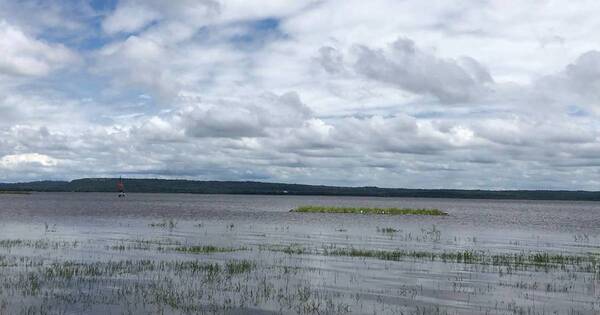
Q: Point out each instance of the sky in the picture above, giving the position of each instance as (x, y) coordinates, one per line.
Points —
(389, 93)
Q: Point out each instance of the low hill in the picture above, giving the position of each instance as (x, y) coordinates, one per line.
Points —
(241, 187)
(174, 186)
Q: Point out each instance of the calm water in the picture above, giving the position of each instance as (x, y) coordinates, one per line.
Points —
(84, 229)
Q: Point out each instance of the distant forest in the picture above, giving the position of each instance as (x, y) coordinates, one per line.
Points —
(259, 188)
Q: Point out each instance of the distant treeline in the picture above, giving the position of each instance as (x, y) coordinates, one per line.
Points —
(259, 188)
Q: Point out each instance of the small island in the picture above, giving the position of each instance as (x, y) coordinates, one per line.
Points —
(365, 210)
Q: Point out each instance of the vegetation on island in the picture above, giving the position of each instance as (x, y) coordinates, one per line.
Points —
(365, 210)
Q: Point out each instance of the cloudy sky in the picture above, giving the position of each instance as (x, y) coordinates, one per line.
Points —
(437, 94)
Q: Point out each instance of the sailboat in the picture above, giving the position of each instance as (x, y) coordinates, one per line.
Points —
(121, 188)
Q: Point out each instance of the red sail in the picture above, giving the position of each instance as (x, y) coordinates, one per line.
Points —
(120, 186)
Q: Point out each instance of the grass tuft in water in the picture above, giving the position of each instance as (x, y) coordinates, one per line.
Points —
(387, 230)
(237, 267)
(171, 224)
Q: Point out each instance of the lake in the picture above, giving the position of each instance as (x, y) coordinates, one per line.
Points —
(94, 253)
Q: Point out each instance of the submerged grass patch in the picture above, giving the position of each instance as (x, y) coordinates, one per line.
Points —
(282, 284)
(37, 244)
(71, 269)
(546, 260)
(159, 287)
(292, 249)
(366, 210)
(584, 262)
(206, 249)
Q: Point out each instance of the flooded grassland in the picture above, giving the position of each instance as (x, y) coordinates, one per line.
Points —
(67, 253)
